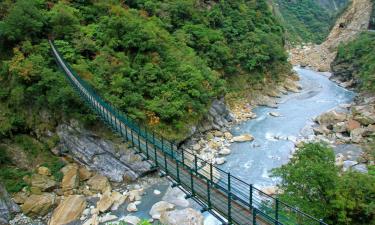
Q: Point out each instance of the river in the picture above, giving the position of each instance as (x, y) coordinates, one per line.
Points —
(275, 136)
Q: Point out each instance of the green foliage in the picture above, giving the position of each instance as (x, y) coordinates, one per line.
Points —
(308, 20)
(25, 20)
(312, 182)
(12, 178)
(64, 21)
(55, 165)
(360, 58)
(4, 158)
(161, 62)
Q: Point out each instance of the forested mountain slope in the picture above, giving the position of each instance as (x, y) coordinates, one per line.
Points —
(162, 62)
(308, 20)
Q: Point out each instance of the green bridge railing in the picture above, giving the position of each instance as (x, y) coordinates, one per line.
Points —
(223, 194)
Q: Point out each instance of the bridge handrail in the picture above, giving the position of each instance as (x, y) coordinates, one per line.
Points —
(237, 186)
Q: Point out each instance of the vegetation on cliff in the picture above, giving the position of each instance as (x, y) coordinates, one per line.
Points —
(308, 20)
(356, 61)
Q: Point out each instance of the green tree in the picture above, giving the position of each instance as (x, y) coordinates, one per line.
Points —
(25, 20)
(312, 182)
(309, 180)
(64, 21)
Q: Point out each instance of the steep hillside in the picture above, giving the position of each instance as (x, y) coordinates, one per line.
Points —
(352, 22)
(308, 20)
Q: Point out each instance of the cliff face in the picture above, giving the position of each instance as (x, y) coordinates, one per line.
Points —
(307, 21)
(352, 22)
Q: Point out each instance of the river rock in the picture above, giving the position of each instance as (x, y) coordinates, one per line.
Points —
(7, 206)
(243, 138)
(136, 195)
(94, 220)
(44, 183)
(105, 201)
(357, 135)
(292, 86)
(107, 217)
(348, 164)
(133, 220)
(225, 151)
(352, 125)
(158, 208)
(196, 147)
(228, 135)
(20, 197)
(38, 205)
(275, 114)
(157, 192)
(187, 216)
(99, 183)
(70, 179)
(68, 210)
(339, 127)
(176, 197)
(220, 160)
(361, 168)
(44, 171)
(132, 207)
(109, 159)
(331, 117)
(84, 173)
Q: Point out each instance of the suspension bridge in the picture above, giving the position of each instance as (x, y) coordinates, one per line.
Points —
(228, 198)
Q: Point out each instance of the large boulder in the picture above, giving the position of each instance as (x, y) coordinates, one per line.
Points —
(68, 210)
(99, 183)
(70, 179)
(357, 135)
(158, 208)
(38, 205)
(331, 117)
(243, 138)
(105, 201)
(7, 206)
(187, 216)
(112, 160)
(42, 182)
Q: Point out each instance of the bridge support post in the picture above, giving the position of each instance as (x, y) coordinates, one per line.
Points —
(251, 196)
(254, 216)
(229, 200)
(209, 206)
(211, 175)
(277, 212)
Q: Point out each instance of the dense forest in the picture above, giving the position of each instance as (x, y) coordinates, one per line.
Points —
(308, 20)
(162, 62)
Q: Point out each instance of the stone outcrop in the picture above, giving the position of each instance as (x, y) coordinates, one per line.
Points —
(111, 160)
(68, 210)
(186, 216)
(7, 206)
(217, 117)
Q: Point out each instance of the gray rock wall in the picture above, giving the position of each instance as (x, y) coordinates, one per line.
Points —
(110, 159)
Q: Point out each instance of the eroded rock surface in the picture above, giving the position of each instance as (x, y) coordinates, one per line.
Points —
(111, 160)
